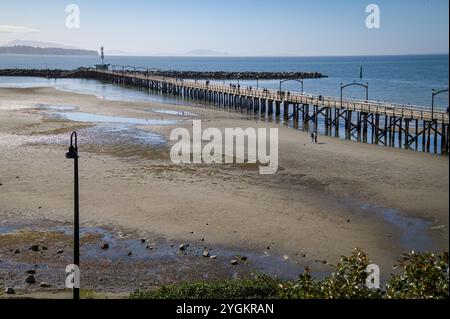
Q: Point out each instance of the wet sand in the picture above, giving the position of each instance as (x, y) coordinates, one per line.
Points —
(326, 198)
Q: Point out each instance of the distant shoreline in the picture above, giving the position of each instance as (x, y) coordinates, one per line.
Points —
(29, 50)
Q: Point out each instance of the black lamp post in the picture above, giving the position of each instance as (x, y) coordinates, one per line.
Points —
(297, 80)
(433, 94)
(73, 154)
(366, 86)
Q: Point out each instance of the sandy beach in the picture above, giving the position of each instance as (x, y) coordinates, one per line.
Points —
(325, 200)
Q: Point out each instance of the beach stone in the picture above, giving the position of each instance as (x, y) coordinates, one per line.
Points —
(30, 280)
(31, 272)
(213, 257)
(130, 253)
(10, 291)
(34, 248)
(143, 240)
(44, 248)
(104, 246)
(206, 253)
(122, 235)
(45, 284)
(149, 247)
(234, 262)
(60, 251)
(16, 251)
(183, 246)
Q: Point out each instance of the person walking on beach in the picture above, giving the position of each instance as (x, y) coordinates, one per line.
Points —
(312, 137)
(315, 137)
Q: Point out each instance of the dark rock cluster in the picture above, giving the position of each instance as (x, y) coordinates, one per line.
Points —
(219, 75)
(212, 75)
(38, 73)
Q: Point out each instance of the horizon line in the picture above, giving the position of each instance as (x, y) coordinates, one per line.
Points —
(274, 56)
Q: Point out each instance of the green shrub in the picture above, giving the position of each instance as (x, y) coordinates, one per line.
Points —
(425, 275)
(257, 286)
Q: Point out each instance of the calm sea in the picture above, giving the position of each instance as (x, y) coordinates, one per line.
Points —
(400, 79)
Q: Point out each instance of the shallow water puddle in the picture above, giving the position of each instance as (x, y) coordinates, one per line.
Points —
(118, 134)
(109, 130)
(414, 231)
(172, 112)
(96, 118)
(57, 107)
(129, 250)
(147, 250)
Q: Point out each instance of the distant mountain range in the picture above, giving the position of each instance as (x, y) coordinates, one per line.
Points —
(26, 49)
(42, 48)
(37, 44)
(53, 48)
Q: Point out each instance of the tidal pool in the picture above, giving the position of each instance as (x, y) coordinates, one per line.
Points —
(97, 118)
(172, 112)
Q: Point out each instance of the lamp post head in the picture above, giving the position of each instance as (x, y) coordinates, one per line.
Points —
(73, 148)
(72, 153)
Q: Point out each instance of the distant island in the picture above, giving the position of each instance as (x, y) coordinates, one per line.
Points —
(26, 49)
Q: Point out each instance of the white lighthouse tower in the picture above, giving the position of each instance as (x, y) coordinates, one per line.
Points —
(102, 66)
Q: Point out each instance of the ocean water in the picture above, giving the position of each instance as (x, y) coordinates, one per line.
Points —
(399, 79)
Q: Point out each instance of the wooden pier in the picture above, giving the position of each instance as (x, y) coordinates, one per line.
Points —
(388, 124)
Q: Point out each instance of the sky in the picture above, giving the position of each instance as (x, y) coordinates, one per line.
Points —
(234, 27)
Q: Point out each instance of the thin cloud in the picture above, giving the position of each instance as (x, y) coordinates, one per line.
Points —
(16, 29)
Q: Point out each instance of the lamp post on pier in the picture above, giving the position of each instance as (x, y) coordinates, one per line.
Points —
(433, 94)
(364, 85)
(297, 80)
(73, 154)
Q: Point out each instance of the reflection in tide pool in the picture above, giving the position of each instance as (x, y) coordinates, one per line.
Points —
(414, 231)
(97, 118)
(102, 90)
(119, 134)
(109, 130)
(104, 134)
(57, 107)
(172, 112)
